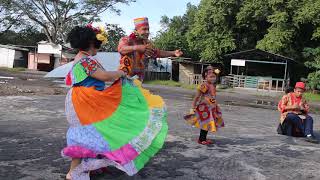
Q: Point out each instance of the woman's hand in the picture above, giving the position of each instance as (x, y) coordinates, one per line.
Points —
(103, 75)
(122, 73)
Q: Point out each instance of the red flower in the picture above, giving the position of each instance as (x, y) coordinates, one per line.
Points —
(84, 64)
(89, 26)
(133, 36)
(96, 30)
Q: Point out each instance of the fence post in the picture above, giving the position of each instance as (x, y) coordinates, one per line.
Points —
(245, 81)
(277, 83)
(270, 85)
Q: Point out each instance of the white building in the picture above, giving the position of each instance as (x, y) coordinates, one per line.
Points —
(12, 56)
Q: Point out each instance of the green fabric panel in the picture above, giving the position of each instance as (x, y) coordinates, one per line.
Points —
(128, 121)
(155, 146)
(79, 73)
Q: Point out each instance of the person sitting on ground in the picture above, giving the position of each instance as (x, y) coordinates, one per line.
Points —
(282, 126)
(294, 114)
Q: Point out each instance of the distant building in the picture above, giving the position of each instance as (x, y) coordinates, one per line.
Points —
(48, 56)
(260, 69)
(187, 71)
(13, 57)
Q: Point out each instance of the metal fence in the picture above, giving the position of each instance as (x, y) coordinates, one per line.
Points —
(259, 83)
(151, 76)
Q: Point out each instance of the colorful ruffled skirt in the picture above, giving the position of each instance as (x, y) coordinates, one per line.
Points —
(122, 126)
(207, 116)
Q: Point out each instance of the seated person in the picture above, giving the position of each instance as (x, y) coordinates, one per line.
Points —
(294, 114)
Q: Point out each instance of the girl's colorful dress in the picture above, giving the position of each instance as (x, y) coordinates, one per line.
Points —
(122, 125)
(207, 115)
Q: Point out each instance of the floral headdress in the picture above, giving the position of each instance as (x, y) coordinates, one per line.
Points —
(217, 71)
(101, 33)
(138, 22)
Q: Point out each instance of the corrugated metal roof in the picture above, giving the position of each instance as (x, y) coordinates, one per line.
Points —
(109, 60)
(262, 52)
(13, 47)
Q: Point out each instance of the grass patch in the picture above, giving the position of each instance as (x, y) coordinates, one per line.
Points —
(13, 69)
(171, 84)
(192, 87)
(312, 97)
(164, 83)
(185, 86)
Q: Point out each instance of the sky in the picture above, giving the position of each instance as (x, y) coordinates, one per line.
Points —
(153, 9)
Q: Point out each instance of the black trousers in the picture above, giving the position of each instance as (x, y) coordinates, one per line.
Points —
(203, 135)
(305, 126)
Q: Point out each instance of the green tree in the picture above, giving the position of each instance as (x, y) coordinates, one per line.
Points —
(172, 37)
(174, 31)
(282, 31)
(55, 17)
(114, 35)
(211, 35)
(252, 23)
(309, 16)
(314, 64)
(26, 37)
(217, 27)
(283, 27)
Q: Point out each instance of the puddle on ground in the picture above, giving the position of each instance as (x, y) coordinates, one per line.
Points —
(60, 83)
(228, 103)
(264, 102)
(3, 81)
(6, 77)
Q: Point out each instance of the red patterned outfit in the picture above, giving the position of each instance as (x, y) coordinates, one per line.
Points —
(207, 115)
(134, 63)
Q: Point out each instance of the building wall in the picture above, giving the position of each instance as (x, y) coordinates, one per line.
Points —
(32, 62)
(60, 60)
(18, 55)
(6, 57)
(20, 59)
(34, 59)
(185, 71)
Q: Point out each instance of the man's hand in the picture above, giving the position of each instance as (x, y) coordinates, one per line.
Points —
(149, 52)
(140, 48)
(296, 107)
(178, 53)
(147, 49)
(302, 109)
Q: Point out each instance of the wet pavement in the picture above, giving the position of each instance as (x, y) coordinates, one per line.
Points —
(32, 134)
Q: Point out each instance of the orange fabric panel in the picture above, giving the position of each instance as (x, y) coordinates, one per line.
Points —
(93, 106)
